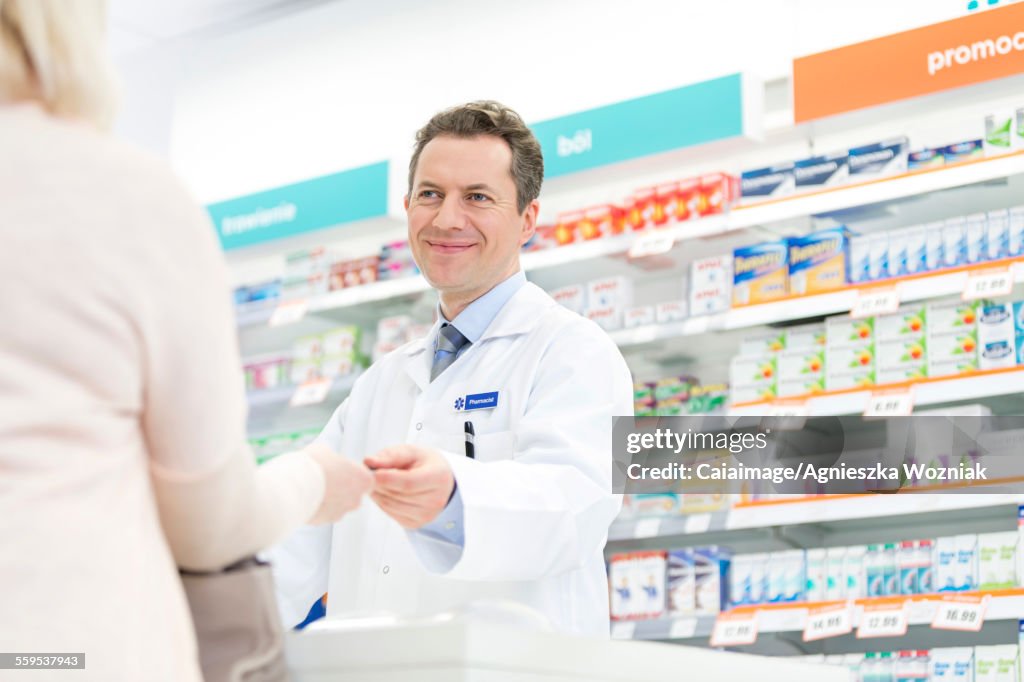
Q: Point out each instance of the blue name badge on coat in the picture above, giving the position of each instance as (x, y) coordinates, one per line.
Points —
(477, 401)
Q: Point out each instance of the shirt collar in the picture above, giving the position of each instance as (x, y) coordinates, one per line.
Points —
(478, 315)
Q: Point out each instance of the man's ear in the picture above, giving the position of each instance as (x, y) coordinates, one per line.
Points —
(529, 222)
(405, 202)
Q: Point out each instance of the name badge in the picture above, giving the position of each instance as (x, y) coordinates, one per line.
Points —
(477, 401)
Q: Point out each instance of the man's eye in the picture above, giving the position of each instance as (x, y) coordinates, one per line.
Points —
(476, 196)
(428, 194)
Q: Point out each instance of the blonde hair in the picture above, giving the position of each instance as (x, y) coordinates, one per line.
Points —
(54, 52)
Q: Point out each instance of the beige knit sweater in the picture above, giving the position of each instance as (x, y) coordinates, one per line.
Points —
(122, 412)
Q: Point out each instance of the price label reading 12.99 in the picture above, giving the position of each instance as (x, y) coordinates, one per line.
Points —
(883, 621)
(875, 301)
(988, 283)
(734, 629)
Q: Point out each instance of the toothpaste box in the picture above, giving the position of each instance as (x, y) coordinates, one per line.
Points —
(821, 171)
(951, 665)
(763, 343)
(909, 322)
(682, 583)
(760, 273)
(883, 158)
(954, 242)
(1018, 325)
(670, 311)
(934, 241)
(764, 183)
(997, 336)
(853, 570)
(859, 255)
(878, 256)
(976, 233)
(835, 579)
(816, 574)
(805, 336)
(963, 151)
(944, 565)
(638, 316)
(711, 570)
(997, 236)
(925, 158)
(818, 261)
(573, 297)
(1015, 238)
(998, 132)
(997, 560)
(966, 562)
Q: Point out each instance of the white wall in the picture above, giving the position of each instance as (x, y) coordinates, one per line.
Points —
(348, 83)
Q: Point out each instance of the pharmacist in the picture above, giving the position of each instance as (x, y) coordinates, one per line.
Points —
(526, 518)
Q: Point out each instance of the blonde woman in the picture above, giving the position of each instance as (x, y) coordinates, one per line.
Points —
(122, 443)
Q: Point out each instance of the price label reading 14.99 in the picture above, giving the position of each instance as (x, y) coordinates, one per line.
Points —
(828, 621)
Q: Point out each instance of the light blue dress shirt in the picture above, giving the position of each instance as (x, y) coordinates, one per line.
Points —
(471, 323)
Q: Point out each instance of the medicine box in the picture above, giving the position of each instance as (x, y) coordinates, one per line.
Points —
(610, 292)
(997, 336)
(954, 242)
(764, 343)
(816, 172)
(846, 332)
(670, 311)
(573, 297)
(934, 242)
(711, 569)
(925, 158)
(997, 560)
(835, 579)
(760, 273)
(882, 158)
(763, 183)
(638, 316)
(976, 236)
(963, 151)
(951, 665)
(1018, 325)
(966, 562)
(710, 289)
(998, 132)
(805, 336)
(909, 322)
(818, 262)
(997, 237)
(853, 570)
(682, 585)
(878, 256)
(816, 574)
(1015, 238)
(859, 256)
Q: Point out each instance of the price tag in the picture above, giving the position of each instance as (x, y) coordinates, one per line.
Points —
(683, 628)
(988, 283)
(828, 621)
(789, 408)
(652, 245)
(900, 404)
(735, 629)
(647, 528)
(964, 613)
(311, 393)
(289, 312)
(875, 301)
(883, 620)
(697, 523)
(623, 629)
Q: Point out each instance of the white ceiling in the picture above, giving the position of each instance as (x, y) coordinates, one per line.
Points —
(142, 24)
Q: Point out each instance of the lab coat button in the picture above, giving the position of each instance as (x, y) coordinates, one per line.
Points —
(387, 569)
(419, 425)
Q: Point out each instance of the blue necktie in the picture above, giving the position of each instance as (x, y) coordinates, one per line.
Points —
(449, 341)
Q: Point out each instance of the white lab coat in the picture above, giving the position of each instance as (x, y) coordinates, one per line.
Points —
(537, 498)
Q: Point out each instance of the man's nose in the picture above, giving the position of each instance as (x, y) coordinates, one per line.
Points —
(450, 215)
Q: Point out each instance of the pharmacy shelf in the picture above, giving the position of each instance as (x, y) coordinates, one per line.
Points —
(794, 511)
(928, 391)
(741, 217)
(1002, 605)
(278, 397)
(950, 282)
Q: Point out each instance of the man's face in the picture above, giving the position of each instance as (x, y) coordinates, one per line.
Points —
(464, 229)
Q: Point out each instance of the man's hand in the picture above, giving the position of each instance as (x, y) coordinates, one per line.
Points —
(412, 484)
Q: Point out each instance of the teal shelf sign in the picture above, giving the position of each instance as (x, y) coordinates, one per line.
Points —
(315, 204)
(694, 114)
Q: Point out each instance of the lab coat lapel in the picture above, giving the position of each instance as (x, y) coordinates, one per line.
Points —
(419, 358)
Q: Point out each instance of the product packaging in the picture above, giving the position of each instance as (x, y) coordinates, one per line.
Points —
(573, 297)
(710, 289)
(818, 262)
(997, 237)
(878, 256)
(966, 562)
(997, 560)
(897, 255)
(753, 379)
(716, 192)
(859, 256)
(760, 273)
(342, 341)
(638, 316)
(854, 571)
(952, 337)
(917, 249)
(1015, 238)
(934, 245)
(1018, 129)
(806, 336)
(976, 236)
(835, 578)
(954, 242)
(951, 665)
(664, 206)
(711, 568)
(764, 183)
(997, 337)
(817, 172)
(996, 663)
(682, 586)
(801, 371)
(687, 200)
(351, 273)
(998, 132)
(907, 560)
(670, 311)
(1018, 325)
(756, 345)
(925, 557)
(888, 157)
(963, 151)
(816, 574)
(925, 158)
(944, 565)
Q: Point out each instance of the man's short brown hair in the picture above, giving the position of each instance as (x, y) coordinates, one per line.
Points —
(487, 117)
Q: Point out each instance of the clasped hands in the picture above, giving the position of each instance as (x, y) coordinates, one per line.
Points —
(410, 483)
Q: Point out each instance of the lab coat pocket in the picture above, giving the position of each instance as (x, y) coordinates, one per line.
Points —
(494, 446)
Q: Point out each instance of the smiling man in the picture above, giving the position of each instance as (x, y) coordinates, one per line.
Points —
(490, 438)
